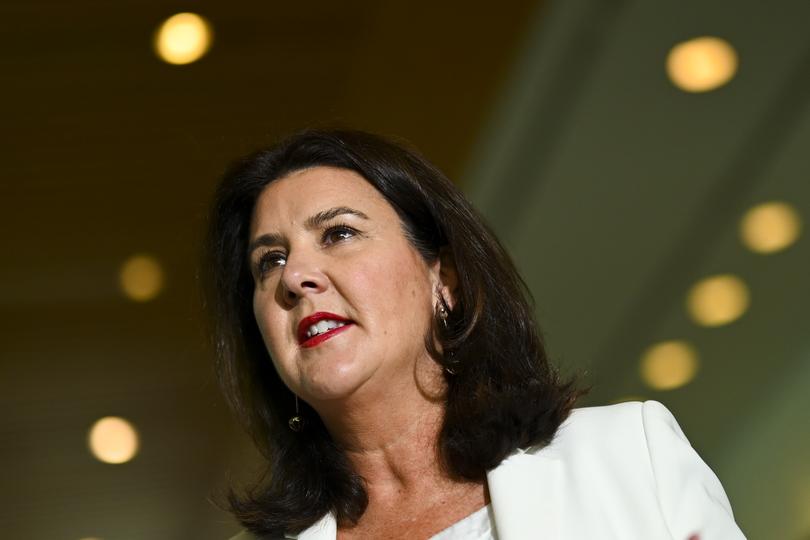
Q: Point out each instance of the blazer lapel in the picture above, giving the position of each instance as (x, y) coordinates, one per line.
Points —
(524, 490)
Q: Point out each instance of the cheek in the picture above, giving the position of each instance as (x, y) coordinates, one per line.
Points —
(397, 297)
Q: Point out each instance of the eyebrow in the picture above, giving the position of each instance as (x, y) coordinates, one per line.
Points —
(315, 221)
(312, 222)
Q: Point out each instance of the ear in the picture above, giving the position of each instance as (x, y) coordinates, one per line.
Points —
(445, 276)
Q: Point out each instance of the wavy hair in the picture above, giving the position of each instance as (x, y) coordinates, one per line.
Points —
(502, 392)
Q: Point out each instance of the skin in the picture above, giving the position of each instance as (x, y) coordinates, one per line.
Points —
(374, 385)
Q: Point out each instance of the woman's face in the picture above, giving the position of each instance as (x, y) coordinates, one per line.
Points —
(324, 241)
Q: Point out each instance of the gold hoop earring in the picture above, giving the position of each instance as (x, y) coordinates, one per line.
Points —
(296, 423)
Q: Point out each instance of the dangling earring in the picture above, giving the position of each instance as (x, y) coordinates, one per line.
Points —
(443, 315)
(296, 423)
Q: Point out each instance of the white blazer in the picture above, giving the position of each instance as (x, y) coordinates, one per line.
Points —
(619, 472)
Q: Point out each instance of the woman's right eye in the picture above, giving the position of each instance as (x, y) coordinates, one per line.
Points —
(270, 260)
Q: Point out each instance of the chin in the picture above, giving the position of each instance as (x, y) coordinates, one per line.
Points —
(333, 380)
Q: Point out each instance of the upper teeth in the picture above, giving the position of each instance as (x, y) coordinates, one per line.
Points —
(323, 326)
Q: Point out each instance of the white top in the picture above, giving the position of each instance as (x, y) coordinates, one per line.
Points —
(476, 526)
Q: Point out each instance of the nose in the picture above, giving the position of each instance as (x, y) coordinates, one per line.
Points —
(301, 276)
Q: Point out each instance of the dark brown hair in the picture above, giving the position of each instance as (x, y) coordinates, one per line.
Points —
(502, 393)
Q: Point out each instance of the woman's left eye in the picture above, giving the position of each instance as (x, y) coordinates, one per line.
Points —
(338, 233)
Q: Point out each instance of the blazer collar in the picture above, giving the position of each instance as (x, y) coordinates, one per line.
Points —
(525, 494)
(524, 489)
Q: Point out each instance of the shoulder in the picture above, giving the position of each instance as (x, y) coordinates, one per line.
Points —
(596, 422)
(618, 427)
(626, 440)
(612, 436)
(637, 449)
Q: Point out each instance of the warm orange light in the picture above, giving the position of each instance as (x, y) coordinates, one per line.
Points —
(113, 440)
(669, 365)
(183, 38)
(141, 278)
(770, 227)
(718, 300)
(701, 64)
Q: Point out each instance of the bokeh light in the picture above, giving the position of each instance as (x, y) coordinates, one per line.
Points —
(770, 227)
(701, 64)
(141, 278)
(113, 440)
(718, 300)
(183, 38)
(669, 365)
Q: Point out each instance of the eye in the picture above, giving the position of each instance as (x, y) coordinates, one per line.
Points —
(338, 233)
(270, 260)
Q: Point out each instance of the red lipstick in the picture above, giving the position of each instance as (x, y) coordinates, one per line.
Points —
(306, 322)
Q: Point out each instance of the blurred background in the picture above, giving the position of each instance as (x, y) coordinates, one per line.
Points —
(646, 163)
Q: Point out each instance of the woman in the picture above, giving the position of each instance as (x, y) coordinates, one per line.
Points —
(377, 343)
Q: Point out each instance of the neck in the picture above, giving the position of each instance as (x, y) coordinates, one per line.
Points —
(390, 434)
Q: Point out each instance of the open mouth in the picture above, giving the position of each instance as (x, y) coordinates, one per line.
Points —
(320, 338)
(321, 326)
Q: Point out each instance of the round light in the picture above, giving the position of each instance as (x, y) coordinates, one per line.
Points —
(701, 64)
(141, 278)
(717, 300)
(669, 365)
(183, 38)
(770, 227)
(113, 440)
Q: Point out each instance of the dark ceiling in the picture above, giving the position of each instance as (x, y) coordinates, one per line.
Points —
(108, 152)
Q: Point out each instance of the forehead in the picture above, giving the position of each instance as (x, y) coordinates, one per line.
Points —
(293, 198)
